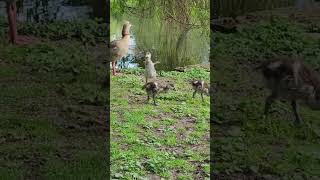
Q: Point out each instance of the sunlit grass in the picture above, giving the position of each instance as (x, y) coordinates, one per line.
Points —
(148, 140)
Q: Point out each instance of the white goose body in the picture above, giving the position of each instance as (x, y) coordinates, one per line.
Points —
(150, 71)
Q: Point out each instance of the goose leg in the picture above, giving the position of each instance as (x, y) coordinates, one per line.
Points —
(148, 98)
(269, 101)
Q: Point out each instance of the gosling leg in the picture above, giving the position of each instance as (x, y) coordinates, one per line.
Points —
(154, 99)
(294, 105)
(202, 96)
(269, 100)
(194, 94)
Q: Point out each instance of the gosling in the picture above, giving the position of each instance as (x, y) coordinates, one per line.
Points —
(201, 87)
(293, 80)
(150, 71)
(154, 88)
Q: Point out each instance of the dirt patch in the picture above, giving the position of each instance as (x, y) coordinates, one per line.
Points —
(186, 123)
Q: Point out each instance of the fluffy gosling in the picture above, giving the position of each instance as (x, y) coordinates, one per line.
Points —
(154, 88)
(201, 87)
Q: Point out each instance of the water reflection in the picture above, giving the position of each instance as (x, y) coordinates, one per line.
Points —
(170, 43)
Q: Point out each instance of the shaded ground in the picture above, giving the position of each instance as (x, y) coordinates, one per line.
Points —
(50, 100)
(246, 146)
(170, 140)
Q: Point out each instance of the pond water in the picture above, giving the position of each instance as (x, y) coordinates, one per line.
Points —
(169, 43)
(44, 10)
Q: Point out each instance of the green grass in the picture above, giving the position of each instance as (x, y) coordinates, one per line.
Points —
(170, 140)
(245, 145)
(51, 96)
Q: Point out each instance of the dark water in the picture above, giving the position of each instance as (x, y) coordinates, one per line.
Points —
(230, 8)
(45, 10)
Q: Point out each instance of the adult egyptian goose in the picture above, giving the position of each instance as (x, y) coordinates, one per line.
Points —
(119, 48)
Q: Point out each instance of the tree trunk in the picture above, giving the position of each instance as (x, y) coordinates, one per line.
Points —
(12, 19)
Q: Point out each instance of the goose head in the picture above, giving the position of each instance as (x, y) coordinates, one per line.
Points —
(126, 28)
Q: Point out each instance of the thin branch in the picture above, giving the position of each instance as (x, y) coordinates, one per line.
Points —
(183, 23)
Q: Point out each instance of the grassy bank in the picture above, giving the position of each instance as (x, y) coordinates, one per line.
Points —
(170, 140)
(246, 146)
(50, 100)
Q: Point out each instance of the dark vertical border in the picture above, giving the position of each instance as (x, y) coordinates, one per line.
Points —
(213, 15)
(107, 106)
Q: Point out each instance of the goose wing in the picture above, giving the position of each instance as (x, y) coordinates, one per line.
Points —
(114, 47)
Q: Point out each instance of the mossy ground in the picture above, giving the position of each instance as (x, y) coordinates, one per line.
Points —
(170, 140)
(245, 145)
(50, 100)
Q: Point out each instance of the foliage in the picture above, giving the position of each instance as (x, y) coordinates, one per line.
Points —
(262, 39)
(48, 57)
(89, 31)
(186, 12)
(265, 40)
(313, 28)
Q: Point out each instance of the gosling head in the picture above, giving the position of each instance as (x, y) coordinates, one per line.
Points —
(148, 55)
(169, 86)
